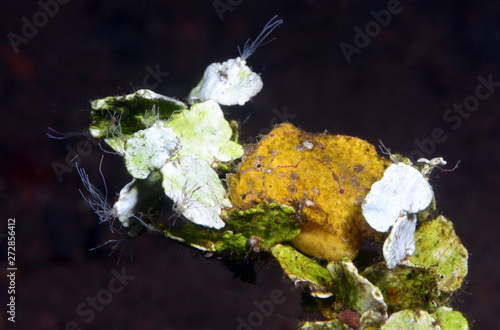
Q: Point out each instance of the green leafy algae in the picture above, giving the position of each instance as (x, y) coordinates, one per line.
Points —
(304, 270)
(440, 250)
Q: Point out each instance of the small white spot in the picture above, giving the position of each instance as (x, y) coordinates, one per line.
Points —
(309, 203)
(308, 144)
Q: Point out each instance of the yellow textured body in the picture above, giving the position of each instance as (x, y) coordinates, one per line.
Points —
(324, 177)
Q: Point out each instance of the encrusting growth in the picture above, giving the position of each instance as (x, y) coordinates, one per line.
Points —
(324, 177)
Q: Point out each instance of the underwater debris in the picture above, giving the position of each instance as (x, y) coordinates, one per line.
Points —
(308, 200)
(295, 191)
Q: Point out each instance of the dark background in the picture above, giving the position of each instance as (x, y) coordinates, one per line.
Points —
(395, 90)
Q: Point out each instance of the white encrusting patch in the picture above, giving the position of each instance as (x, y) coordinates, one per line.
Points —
(402, 188)
(394, 202)
(233, 82)
(401, 241)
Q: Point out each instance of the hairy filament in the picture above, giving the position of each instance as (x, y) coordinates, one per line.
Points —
(63, 136)
(98, 200)
(259, 41)
(183, 202)
(117, 244)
